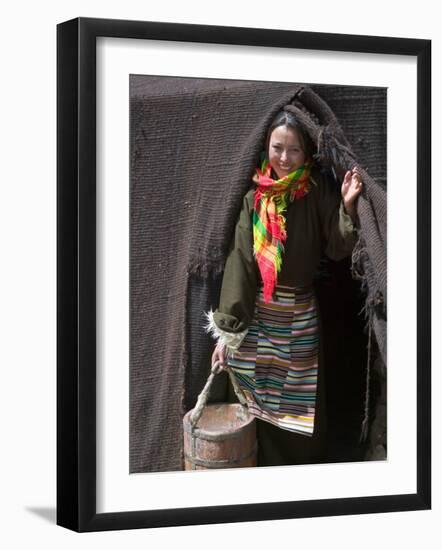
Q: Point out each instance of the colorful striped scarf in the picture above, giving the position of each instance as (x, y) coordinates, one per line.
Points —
(269, 224)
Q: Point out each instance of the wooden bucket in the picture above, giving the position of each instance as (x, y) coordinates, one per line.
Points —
(225, 437)
(220, 435)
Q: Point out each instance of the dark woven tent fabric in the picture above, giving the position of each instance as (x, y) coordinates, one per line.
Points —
(194, 146)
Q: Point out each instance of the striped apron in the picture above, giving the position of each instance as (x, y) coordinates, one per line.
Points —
(277, 362)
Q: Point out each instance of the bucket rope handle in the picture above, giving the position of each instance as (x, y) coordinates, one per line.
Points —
(204, 395)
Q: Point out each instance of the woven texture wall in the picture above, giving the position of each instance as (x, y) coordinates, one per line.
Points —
(193, 146)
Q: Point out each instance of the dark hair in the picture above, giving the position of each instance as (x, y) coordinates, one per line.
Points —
(285, 118)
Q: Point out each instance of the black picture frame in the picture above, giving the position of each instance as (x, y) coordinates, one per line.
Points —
(76, 274)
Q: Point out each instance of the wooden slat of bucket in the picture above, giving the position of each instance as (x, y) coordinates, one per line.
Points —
(193, 463)
(224, 438)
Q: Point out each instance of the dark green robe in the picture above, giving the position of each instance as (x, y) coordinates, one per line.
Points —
(316, 223)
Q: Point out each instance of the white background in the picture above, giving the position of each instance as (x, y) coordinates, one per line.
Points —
(27, 218)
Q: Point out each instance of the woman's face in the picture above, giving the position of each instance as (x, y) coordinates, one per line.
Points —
(286, 153)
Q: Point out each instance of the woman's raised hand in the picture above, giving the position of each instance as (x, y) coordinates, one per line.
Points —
(350, 189)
